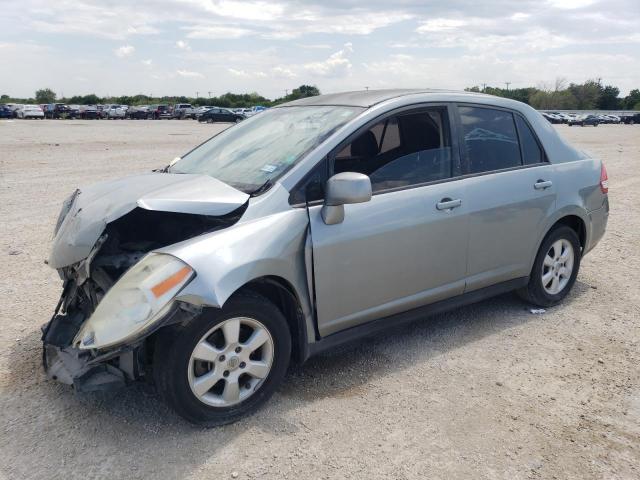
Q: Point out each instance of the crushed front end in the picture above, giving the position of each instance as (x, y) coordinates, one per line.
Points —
(116, 290)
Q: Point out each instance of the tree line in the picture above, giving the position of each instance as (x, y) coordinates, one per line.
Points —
(590, 95)
(228, 100)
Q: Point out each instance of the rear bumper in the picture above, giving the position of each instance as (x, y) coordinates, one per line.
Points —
(598, 221)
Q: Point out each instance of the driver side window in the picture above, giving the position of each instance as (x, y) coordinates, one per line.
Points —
(408, 149)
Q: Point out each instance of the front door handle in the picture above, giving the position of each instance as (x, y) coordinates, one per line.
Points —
(448, 204)
(542, 184)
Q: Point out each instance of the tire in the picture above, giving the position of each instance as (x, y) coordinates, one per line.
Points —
(174, 368)
(535, 291)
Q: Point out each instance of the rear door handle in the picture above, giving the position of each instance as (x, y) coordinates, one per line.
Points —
(542, 184)
(448, 204)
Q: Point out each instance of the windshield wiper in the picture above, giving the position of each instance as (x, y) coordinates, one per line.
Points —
(262, 188)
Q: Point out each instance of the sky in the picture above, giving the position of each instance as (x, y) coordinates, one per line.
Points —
(209, 47)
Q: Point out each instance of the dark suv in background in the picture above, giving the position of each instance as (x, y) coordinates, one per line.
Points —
(157, 112)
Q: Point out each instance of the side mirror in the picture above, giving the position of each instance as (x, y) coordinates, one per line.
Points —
(342, 189)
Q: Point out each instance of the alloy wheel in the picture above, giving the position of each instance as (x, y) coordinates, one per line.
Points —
(557, 266)
(230, 362)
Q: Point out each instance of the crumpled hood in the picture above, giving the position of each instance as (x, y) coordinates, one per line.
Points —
(99, 204)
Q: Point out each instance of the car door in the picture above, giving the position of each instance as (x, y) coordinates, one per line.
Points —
(509, 192)
(407, 246)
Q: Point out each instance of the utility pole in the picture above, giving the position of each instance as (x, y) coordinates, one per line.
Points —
(286, 92)
(484, 87)
(507, 84)
(197, 93)
(366, 88)
(209, 94)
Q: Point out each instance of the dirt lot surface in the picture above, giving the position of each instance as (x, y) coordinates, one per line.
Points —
(486, 391)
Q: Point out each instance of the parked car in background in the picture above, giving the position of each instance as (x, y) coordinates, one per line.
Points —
(563, 117)
(14, 108)
(220, 115)
(584, 120)
(138, 112)
(88, 112)
(315, 223)
(5, 111)
(157, 112)
(56, 111)
(631, 119)
(114, 112)
(74, 111)
(200, 110)
(30, 111)
(183, 110)
(551, 118)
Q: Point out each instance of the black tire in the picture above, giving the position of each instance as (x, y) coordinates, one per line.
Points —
(174, 346)
(534, 292)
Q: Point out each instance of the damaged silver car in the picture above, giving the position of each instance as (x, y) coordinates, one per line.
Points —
(305, 227)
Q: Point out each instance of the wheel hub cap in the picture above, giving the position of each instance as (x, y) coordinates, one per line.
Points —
(233, 363)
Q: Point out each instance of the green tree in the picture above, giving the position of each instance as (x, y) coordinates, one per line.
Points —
(608, 99)
(632, 100)
(45, 95)
(587, 94)
(556, 100)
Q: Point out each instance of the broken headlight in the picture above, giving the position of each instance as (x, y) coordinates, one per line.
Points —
(141, 296)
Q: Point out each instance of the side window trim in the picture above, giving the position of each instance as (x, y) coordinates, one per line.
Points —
(459, 135)
(302, 184)
(456, 157)
(545, 158)
(416, 108)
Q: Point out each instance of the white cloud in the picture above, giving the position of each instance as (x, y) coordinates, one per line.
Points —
(124, 51)
(148, 62)
(246, 74)
(337, 64)
(214, 32)
(440, 25)
(283, 72)
(570, 4)
(243, 10)
(182, 45)
(188, 73)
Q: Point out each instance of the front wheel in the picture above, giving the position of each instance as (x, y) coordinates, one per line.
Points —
(225, 363)
(555, 268)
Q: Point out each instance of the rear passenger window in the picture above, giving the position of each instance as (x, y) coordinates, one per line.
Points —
(400, 151)
(490, 139)
(531, 151)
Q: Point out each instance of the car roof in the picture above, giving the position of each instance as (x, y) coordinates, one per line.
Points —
(368, 98)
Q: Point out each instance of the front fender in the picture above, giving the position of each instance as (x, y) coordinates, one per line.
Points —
(224, 261)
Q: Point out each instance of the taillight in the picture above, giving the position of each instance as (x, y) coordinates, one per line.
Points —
(604, 179)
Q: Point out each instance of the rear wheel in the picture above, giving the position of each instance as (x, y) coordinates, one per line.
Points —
(555, 268)
(225, 363)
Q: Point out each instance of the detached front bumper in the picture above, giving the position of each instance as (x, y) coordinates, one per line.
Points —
(91, 370)
(72, 366)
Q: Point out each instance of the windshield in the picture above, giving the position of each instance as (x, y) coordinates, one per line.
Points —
(264, 147)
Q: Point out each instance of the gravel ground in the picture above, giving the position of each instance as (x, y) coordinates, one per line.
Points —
(486, 391)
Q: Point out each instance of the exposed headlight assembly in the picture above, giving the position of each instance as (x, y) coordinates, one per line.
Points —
(140, 298)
